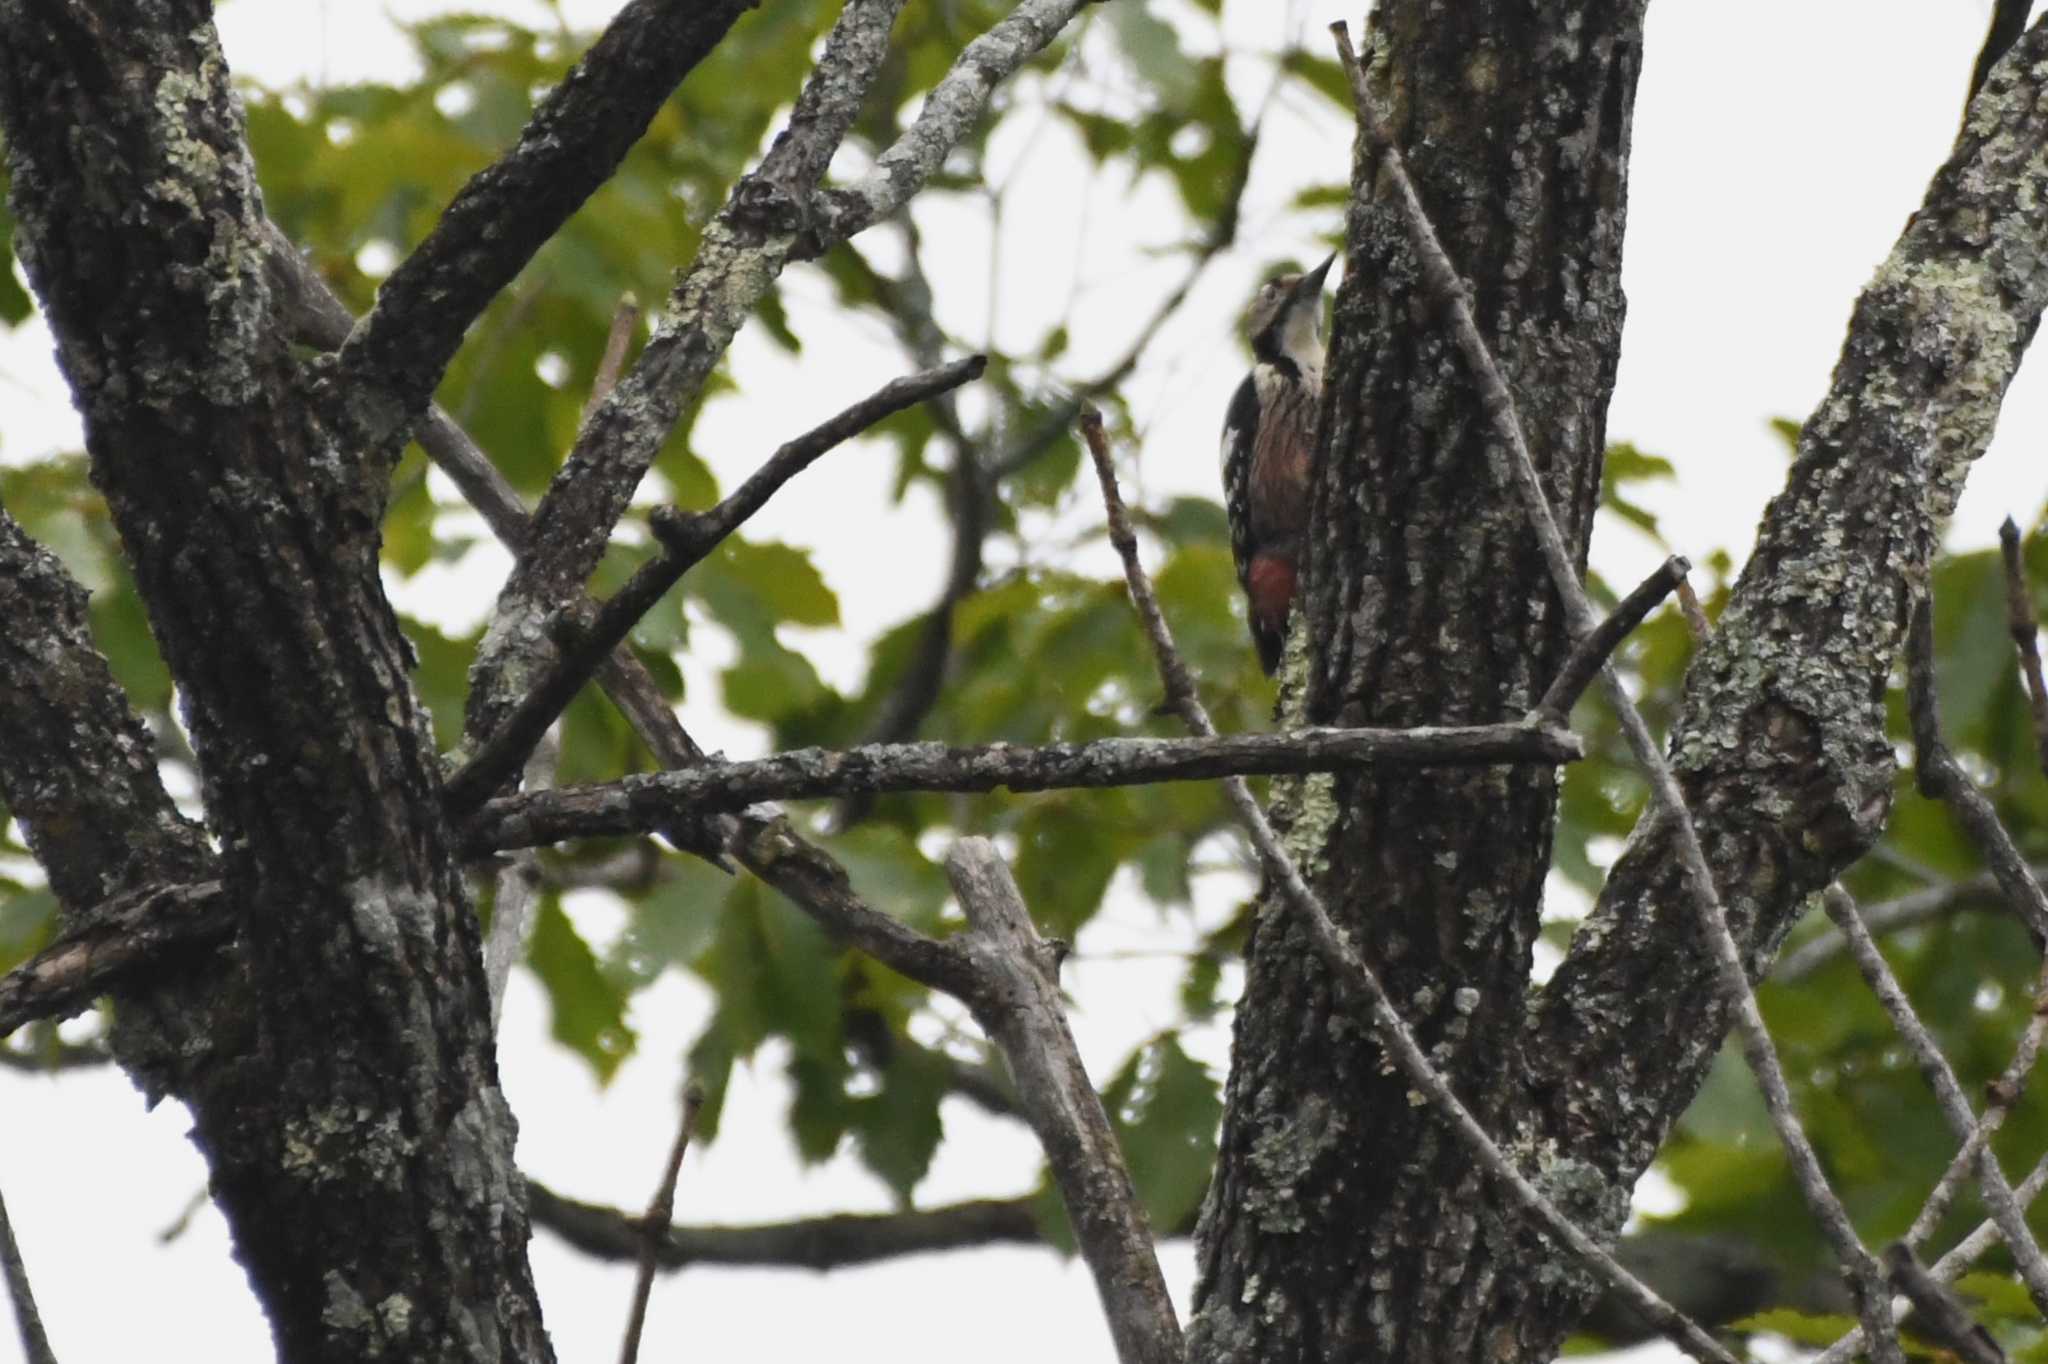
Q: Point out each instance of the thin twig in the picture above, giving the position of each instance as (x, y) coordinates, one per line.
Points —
(1355, 976)
(35, 1345)
(1695, 615)
(2019, 618)
(1865, 1275)
(686, 540)
(1892, 916)
(646, 802)
(660, 1213)
(1949, 1267)
(1948, 1093)
(1937, 1310)
(624, 319)
(1598, 645)
(1018, 1005)
(1941, 777)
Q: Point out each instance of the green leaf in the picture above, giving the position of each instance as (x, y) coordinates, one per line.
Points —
(589, 1009)
(27, 920)
(1801, 1328)
(899, 1127)
(1166, 1108)
(674, 924)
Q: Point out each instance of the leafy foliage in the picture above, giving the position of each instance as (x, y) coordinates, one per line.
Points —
(1042, 649)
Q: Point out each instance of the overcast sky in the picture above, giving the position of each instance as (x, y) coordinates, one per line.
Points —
(1778, 150)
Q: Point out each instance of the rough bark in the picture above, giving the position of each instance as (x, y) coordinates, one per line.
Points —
(357, 1140)
(1343, 1222)
(1781, 745)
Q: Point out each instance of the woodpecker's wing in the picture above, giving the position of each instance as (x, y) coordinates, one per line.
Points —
(1240, 436)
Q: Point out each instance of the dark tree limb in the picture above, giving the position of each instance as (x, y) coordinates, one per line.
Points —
(111, 947)
(509, 210)
(28, 1323)
(687, 538)
(1940, 777)
(2008, 21)
(1597, 646)
(644, 803)
(1937, 1310)
(2019, 617)
(1018, 1004)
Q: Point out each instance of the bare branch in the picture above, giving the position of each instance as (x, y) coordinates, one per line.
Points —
(1891, 916)
(1942, 778)
(654, 1226)
(638, 804)
(1948, 1093)
(742, 251)
(1353, 973)
(624, 320)
(1949, 1267)
(686, 540)
(1865, 1275)
(35, 1345)
(816, 1243)
(508, 211)
(1597, 646)
(1937, 1310)
(1018, 1004)
(2019, 616)
(108, 944)
(949, 112)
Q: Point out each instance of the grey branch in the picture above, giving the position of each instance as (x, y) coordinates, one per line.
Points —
(28, 1323)
(687, 540)
(1938, 1311)
(1597, 646)
(949, 112)
(1978, 892)
(1942, 778)
(1353, 973)
(1017, 1002)
(660, 1213)
(1712, 918)
(640, 804)
(2019, 618)
(1948, 1093)
(1949, 1267)
(509, 210)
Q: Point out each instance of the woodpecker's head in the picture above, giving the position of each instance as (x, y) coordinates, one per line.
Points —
(1285, 319)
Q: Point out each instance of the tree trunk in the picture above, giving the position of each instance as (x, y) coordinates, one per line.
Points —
(351, 1117)
(1344, 1223)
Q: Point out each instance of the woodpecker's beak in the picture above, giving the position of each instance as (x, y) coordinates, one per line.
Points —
(1312, 282)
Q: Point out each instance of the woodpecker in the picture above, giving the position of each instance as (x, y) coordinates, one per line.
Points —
(1269, 436)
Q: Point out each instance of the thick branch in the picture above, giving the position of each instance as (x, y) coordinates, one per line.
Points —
(639, 804)
(1018, 1003)
(509, 210)
(686, 539)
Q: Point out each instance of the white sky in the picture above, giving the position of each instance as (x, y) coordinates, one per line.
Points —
(1778, 150)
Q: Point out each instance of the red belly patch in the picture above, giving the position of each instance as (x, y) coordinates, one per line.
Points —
(1269, 587)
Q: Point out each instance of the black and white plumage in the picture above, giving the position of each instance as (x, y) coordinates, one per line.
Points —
(1268, 440)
